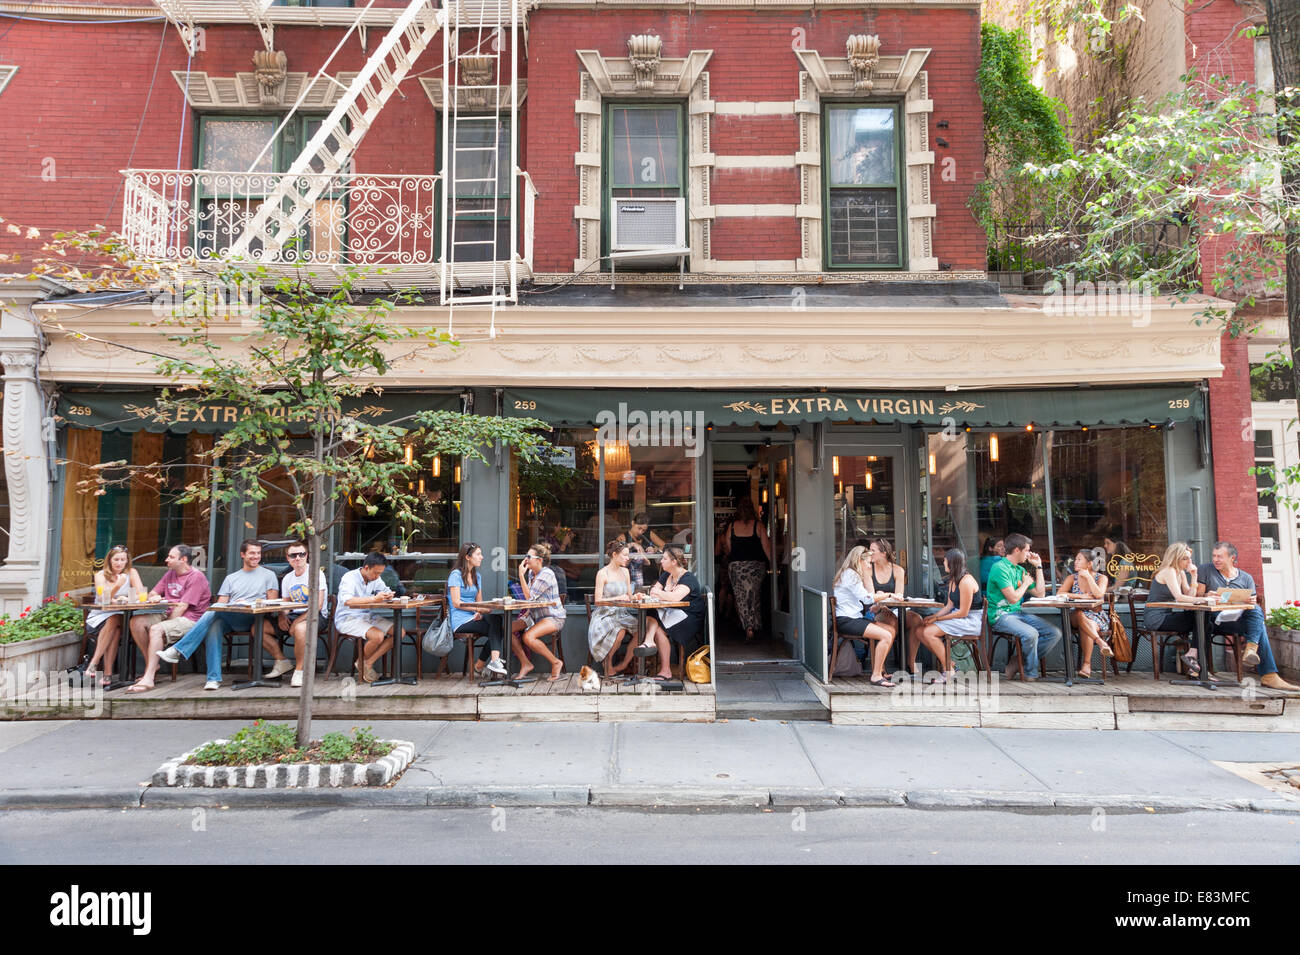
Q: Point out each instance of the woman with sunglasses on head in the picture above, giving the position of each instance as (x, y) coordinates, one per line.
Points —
(538, 582)
(295, 587)
(853, 614)
(885, 580)
(117, 583)
(462, 589)
(1092, 626)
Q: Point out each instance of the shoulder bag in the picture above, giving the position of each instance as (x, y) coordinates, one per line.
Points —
(438, 641)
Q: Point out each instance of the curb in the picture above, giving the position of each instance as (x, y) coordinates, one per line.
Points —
(460, 797)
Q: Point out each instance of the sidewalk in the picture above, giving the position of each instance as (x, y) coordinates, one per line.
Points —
(104, 764)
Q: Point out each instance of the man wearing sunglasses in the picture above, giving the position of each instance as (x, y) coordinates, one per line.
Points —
(294, 587)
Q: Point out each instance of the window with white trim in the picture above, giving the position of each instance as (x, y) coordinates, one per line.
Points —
(863, 199)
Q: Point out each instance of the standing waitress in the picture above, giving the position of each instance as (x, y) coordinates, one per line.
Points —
(641, 541)
(749, 552)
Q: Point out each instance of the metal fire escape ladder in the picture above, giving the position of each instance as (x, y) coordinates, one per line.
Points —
(280, 218)
(475, 85)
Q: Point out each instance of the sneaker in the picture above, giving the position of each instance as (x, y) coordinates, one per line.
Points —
(296, 680)
(169, 655)
(280, 669)
(212, 685)
(496, 666)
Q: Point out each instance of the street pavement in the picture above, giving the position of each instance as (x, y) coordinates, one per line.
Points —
(755, 764)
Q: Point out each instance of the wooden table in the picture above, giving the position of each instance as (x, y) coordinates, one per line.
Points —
(397, 606)
(124, 641)
(642, 607)
(1202, 611)
(904, 604)
(500, 606)
(255, 629)
(1066, 607)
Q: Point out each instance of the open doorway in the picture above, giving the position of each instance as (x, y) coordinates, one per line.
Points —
(752, 533)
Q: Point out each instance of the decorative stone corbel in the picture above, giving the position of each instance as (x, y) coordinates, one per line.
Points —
(863, 55)
(270, 67)
(475, 71)
(643, 51)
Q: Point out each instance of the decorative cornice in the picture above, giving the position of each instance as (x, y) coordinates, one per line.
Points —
(243, 91)
(434, 88)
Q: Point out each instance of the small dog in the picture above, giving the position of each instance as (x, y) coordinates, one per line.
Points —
(590, 679)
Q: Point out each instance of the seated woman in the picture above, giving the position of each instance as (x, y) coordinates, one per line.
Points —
(537, 581)
(682, 626)
(117, 583)
(961, 616)
(1174, 581)
(610, 626)
(462, 589)
(1092, 626)
(992, 552)
(853, 615)
(887, 579)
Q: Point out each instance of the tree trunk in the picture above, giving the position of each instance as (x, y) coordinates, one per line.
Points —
(1284, 40)
(313, 601)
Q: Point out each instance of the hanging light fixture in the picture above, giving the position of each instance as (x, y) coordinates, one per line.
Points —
(932, 464)
(437, 465)
(778, 488)
(408, 454)
(993, 447)
(764, 495)
(835, 466)
(456, 477)
(870, 481)
(422, 485)
(871, 457)
(1030, 426)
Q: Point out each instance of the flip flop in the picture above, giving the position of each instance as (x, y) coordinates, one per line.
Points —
(139, 688)
(644, 651)
(883, 682)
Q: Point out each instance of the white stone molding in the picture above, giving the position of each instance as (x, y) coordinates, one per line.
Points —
(6, 74)
(243, 92)
(22, 578)
(892, 76)
(673, 78)
(435, 89)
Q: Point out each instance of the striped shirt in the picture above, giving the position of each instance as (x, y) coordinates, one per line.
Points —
(545, 587)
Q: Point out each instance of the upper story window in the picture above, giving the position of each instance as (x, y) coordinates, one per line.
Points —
(645, 189)
(863, 199)
(480, 215)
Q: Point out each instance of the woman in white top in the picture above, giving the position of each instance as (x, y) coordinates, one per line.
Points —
(117, 583)
(853, 614)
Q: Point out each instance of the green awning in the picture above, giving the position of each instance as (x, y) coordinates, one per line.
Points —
(1065, 407)
(138, 411)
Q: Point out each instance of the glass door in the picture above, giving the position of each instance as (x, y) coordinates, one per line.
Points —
(775, 466)
(868, 499)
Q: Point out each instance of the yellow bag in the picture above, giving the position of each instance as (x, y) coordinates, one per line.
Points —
(698, 668)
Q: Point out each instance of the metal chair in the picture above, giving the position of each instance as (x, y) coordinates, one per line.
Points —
(837, 639)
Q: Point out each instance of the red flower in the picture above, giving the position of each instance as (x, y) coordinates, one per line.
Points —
(21, 615)
(26, 611)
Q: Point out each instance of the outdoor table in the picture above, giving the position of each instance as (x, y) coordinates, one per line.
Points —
(1202, 611)
(1065, 606)
(500, 606)
(642, 607)
(397, 605)
(259, 612)
(127, 610)
(904, 604)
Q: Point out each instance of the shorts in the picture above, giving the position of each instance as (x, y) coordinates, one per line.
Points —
(173, 627)
(853, 626)
(357, 626)
(324, 620)
(970, 625)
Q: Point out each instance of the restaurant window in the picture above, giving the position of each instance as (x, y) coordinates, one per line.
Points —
(225, 206)
(140, 508)
(436, 530)
(863, 196)
(1109, 486)
(643, 175)
(864, 499)
(480, 151)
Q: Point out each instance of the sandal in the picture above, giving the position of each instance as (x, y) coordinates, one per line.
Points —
(1192, 664)
(139, 687)
(1104, 647)
(884, 682)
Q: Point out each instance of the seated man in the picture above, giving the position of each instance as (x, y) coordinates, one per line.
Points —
(252, 582)
(359, 589)
(1008, 584)
(1222, 573)
(189, 589)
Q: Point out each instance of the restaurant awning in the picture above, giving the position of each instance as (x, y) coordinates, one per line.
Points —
(138, 411)
(1061, 407)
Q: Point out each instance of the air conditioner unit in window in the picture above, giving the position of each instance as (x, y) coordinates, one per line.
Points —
(644, 227)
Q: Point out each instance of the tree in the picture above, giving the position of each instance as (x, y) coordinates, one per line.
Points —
(312, 353)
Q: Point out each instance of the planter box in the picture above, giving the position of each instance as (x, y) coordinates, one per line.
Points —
(287, 775)
(20, 661)
(1286, 650)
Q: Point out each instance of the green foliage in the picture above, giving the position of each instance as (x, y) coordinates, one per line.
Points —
(264, 742)
(1287, 617)
(51, 617)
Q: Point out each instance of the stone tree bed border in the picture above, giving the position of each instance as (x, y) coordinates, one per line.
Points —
(287, 775)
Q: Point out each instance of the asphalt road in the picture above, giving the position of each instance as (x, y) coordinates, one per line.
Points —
(577, 836)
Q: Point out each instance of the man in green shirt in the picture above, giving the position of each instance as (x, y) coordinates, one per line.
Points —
(1008, 584)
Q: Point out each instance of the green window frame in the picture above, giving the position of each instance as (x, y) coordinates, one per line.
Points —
(863, 203)
(654, 171)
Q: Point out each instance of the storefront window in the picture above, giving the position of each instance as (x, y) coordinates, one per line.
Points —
(436, 530)
(1109, 485)
(864, 500)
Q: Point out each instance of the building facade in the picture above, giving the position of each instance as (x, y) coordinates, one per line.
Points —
(724, 250)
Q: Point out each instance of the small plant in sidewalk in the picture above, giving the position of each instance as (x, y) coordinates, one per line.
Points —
(264, 742)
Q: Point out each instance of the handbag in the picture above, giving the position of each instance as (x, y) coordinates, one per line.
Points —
(1119, 641)
(437, 640)
(698, 668)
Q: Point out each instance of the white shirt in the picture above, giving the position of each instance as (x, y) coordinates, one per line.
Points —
(851, 595)
(294, 587)
(353, 585)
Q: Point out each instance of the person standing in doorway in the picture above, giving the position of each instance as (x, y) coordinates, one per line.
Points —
(749, 552)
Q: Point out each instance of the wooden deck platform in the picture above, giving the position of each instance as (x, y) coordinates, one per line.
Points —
(1129, 701)
(434, 698)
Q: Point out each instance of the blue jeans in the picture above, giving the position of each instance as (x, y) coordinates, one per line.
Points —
(1037, 637)
(209, 629)
(1251, 624)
